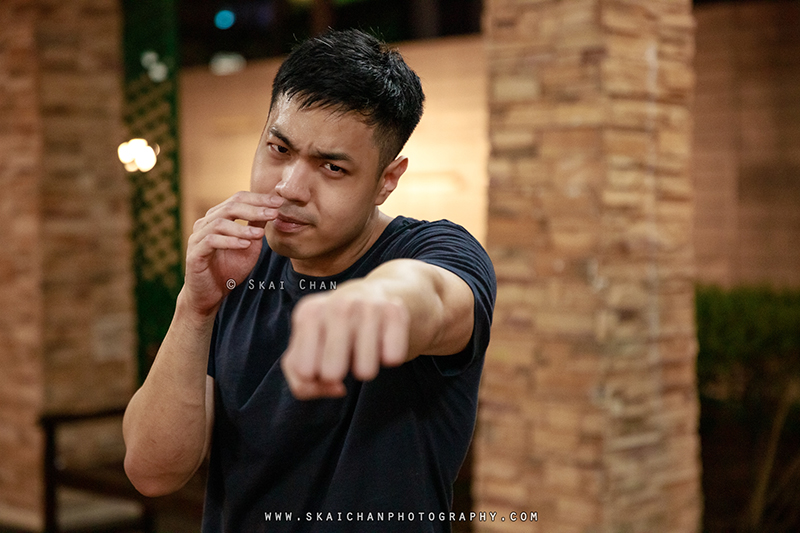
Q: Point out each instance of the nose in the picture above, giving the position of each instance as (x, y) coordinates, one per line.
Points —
(295, 184)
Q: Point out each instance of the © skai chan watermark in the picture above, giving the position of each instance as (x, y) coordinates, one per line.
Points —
(280, 285)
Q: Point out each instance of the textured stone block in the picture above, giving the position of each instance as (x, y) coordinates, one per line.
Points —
(554, 443)
(562, 143)
(605, 153)
(571, 79)
(515, 89)
(512, 352)
(503, 431)
(514, 140)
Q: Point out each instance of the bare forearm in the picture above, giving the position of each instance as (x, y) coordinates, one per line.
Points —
(402, 309)
(439, 303)
(165, 425)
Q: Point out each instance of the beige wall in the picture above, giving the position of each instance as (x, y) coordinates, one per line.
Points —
(747, 143)
(222, 118)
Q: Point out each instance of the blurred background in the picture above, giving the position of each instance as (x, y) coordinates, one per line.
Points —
(631, 166)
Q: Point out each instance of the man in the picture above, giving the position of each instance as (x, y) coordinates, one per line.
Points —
(327, 355)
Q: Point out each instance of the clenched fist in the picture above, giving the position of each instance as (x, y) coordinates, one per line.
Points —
(356, 328)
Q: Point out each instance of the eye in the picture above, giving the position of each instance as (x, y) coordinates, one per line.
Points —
(335, 168)
(278, 148)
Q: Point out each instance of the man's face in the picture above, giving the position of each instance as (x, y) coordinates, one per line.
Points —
(324, 165)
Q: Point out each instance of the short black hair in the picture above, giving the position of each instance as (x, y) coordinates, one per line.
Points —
(352, 71)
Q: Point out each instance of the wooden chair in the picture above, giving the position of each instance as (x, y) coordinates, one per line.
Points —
(107, 482)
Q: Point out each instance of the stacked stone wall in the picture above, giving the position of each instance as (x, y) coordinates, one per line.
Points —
(85, 207)
(20, 263)
(66, 330)
(588, 407)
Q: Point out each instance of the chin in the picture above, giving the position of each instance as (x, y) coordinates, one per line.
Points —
(279, 247)
(282, 246)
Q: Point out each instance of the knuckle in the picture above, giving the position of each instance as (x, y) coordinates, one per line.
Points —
(371, 309)
(366, 369)
(239, 199)
(229, 208)
(296, 387)
(343, 307)
(290, 369)
(397, 311)
(303, 392)
(333, 370)
(208, 240)
(335, 313)
(298, 369)
(217, 224)
(309, 308)
(328, 373)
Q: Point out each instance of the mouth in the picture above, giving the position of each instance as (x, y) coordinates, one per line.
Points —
(287, 224)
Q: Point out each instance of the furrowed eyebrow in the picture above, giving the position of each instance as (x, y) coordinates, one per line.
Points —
(277, 133)
(330, 156)
(333, 156)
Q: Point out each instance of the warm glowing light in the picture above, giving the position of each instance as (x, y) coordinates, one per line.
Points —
(226, 63)
(145, 159)
(125, 153)
(137, 144)
(158, 72)
(149, 58)
(136, 154)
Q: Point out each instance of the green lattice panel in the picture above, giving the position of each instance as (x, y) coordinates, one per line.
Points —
(151, 114)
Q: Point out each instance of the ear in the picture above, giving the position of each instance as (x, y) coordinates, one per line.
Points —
(390, 177)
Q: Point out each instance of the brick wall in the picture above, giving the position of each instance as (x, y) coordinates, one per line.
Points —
(66, 331)
(588, 405)
(747, 143)
(85, 209)
(21, 383)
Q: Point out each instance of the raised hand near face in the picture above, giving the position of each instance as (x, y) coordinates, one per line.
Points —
(220, 249)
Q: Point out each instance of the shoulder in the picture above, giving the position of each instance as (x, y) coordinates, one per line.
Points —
(445, 244)
(438, 233)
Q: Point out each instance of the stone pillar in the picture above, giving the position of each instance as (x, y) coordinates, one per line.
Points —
(66, 326)
(21, 382)
(589, 410)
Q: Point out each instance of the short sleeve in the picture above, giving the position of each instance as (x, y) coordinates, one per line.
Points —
(450, 246)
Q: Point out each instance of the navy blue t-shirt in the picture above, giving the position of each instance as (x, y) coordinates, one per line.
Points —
(370, 461)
